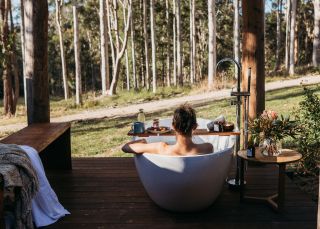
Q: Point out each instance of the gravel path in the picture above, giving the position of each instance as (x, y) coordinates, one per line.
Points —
(165, 104)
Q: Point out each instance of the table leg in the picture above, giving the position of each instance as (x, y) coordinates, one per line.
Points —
(281, 187)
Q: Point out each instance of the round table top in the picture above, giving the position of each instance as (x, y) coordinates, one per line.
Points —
(286, 156)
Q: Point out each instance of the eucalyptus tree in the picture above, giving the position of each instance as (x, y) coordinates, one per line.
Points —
(168, 44)
(22, 37)
(153, 47)
(59, 6)
(316, 34)
(8, 95)
(287, 43)
(211, 43)
(278, 12)
(292, 36)
(119, 44)
(174, 41)
(105, 78)
(236, 33)
(192, 41)
(77, 54)
(133, 52)
(179, 48)
(146, 46)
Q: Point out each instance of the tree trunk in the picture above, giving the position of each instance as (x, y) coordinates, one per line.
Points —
(119, 50)
(236, 33)
(279, 12)
(146, 48)
(292, 36)
(105, 78)
(36, 60)
(174, 44)
(14, 63)
(253, 54)
(153, 46)
(8, 103)
(288, 19)
(179, 53)
(127, 71)
(192, 41)
(168, 75)
(23, 51)
(110, 23)
(211, 43)
(316, 33)
(93, 80)
(133, 54)
(77, 56)
(59, 5)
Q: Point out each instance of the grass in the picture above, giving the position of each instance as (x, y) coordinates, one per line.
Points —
(102, 138)
(91, 101)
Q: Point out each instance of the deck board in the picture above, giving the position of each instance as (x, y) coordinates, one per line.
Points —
(107, 193)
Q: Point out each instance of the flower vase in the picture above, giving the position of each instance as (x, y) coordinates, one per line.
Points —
(270, 147)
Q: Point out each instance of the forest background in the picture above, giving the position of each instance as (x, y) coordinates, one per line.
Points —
(154, 44)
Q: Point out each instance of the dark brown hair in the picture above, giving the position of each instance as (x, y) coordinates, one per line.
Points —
(184, 120)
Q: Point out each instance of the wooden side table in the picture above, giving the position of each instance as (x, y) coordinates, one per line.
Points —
(287, 156)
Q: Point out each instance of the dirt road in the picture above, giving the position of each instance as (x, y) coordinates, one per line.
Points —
(166, 104)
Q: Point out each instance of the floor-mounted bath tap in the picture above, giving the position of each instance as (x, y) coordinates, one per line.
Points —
(235, 183)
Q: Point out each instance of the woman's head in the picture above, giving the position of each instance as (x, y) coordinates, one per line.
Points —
(184, 120)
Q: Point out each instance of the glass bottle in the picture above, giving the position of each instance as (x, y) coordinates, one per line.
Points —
(141, 116)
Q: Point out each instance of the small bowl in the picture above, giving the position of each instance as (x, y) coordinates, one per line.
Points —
(228, 126)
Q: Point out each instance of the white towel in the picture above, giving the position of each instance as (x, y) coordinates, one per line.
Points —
(46, 208)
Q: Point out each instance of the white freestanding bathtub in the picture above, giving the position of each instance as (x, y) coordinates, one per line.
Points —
(186, 183)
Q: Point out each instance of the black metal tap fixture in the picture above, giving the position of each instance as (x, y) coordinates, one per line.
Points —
(234, 183)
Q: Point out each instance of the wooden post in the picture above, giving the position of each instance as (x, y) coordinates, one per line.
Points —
(253, 54)
(36, 60)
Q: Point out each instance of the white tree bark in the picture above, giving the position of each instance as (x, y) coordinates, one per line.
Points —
(133, 54)
(153, 47)
(279, 11)
(127, 71)
(120, 43)
(236, 34)
(59, 5)
(77, 55)
(146, 48)
(192, 41)
(168, 46)
(316, 33)
(174, 44)
(104, 53)
(179, 53)
(287, 48)
(292, 36)
(212, 43)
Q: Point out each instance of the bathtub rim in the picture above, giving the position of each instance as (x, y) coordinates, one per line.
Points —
(186, 156)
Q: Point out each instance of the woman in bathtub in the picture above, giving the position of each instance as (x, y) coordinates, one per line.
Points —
(184, 122)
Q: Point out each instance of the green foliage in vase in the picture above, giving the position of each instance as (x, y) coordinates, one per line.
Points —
(309, 141)
(269, 126)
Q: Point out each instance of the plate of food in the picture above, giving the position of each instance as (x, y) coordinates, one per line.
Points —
(159, 130)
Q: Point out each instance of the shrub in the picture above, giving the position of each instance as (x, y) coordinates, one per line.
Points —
(309, 142)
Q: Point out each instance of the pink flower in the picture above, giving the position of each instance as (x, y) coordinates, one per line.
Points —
(274, 115)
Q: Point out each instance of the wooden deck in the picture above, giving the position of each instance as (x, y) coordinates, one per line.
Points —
(106, 193)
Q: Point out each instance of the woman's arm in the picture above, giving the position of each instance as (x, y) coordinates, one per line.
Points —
(141, 146)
